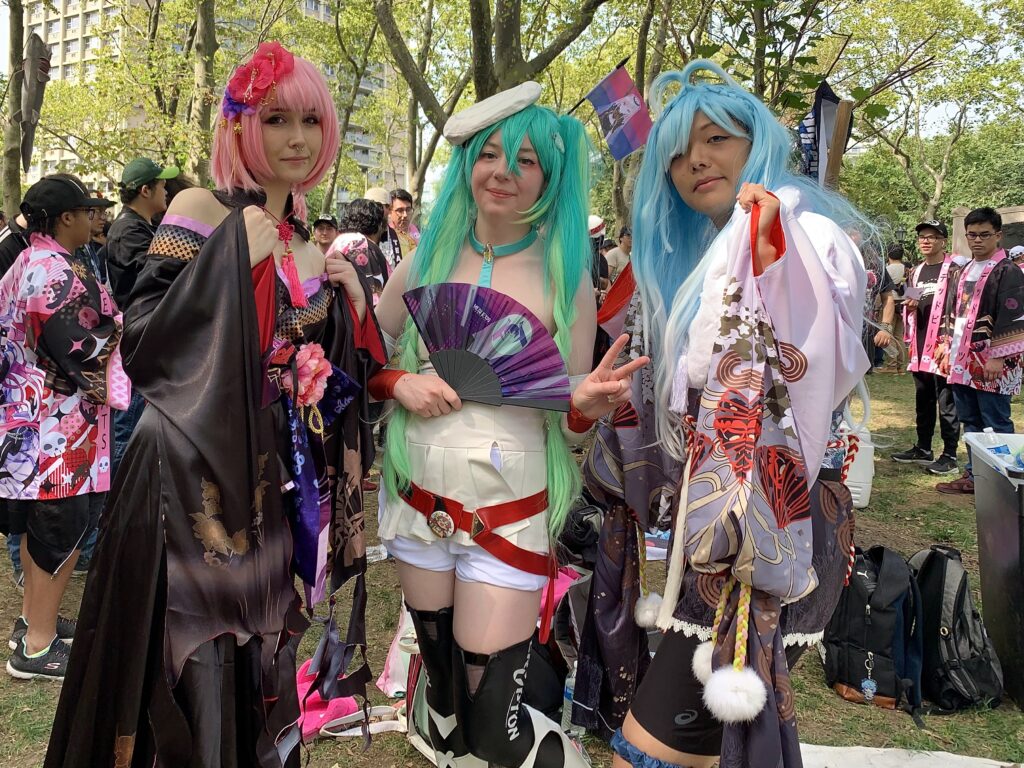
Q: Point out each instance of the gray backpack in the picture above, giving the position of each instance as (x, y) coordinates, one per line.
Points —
(960, 665)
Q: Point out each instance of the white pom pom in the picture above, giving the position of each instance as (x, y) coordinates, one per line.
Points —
(646, 611)
(735, 696)
(701, 663)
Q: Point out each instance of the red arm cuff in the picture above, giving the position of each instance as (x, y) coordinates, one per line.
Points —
(382, 383)
(577, 422)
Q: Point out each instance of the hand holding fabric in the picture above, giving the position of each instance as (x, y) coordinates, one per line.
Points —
(426, 395)
(755, 194)
(261, 232)
(342, 274)
(607, 387)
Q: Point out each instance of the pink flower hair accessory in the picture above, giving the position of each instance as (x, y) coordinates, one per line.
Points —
(253, 84)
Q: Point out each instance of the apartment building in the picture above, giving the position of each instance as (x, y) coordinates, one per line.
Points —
(76, 30)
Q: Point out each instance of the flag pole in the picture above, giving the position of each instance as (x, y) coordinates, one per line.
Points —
(620, 65)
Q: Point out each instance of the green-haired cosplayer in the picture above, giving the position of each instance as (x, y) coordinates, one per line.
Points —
(516, 187)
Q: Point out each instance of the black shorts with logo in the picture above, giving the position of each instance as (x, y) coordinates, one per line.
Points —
(669, 703)
(54, 527)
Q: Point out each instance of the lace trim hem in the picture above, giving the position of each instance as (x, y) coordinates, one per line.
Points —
(704, 634)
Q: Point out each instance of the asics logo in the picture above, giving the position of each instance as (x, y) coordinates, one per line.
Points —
(686, 717)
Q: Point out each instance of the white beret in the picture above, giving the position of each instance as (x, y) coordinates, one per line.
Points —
(462, 126)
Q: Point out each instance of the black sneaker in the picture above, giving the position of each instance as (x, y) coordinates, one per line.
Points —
(916, 455)
(65, 631)
(51, 665)
(944, 465)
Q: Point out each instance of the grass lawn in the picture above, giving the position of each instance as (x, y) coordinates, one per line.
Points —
(905, 514)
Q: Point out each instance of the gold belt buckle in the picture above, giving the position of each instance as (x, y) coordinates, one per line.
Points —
(440, 522)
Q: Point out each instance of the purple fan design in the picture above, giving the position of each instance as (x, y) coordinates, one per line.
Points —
(489, 347)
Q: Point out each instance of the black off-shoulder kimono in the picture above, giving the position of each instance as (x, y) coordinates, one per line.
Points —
(187, 634)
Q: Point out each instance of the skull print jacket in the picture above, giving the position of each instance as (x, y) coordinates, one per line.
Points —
(61, 369)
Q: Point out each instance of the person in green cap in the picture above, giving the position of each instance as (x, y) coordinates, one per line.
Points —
(144, 195)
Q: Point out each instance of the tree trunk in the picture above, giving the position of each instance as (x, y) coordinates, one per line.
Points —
(202, 101)
(327, 206)
(12, 132)
(760, 49)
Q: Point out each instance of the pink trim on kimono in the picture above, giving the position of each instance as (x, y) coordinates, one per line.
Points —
(926, 364)
(960, 370)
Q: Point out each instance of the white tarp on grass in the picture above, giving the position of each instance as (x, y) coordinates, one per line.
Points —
(871, 757)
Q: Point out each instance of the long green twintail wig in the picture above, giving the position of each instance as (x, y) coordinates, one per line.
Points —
(561, 214)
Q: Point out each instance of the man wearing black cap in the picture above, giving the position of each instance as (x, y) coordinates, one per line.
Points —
(325, 229)
(61, 332)
(144, 194)
(143, 191)
(925, 296)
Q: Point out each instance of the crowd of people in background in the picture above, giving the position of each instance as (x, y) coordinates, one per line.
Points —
(260, 377)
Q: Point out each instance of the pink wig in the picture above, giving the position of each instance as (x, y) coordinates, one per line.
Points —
(237, 159)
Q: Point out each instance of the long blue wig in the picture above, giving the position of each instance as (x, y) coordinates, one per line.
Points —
(670, 239)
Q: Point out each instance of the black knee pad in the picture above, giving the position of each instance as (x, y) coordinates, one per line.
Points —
(436, 641)
(497, 726)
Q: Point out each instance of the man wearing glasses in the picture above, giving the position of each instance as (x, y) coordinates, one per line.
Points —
(982, 334)
(925, 297)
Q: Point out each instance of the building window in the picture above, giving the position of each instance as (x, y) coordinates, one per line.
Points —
(71, 24)
(69, 73)
(52, 29)
(71, 49)
(71, 7)
(35, 29)
(36, 11)
(90, 71)
(93, 43)
(92, 18)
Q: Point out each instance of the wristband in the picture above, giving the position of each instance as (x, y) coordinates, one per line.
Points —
(576, 421)
(887, 327)
(382, 384)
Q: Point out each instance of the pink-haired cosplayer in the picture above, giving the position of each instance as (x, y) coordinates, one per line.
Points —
(245, 470)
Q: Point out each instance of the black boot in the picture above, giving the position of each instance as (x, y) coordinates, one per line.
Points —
(434, 635)
(499, 726)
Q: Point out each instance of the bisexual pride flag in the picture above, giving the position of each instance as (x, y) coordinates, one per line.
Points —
(622, 112)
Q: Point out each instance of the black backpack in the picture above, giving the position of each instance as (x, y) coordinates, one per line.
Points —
(960, 665)
(872, 648)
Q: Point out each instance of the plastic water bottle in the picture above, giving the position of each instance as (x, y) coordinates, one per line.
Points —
(567, 695)
(996, 445)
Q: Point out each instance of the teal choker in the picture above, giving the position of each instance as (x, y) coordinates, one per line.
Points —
(503, 250)
(489, 252)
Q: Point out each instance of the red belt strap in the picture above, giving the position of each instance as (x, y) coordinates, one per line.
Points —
(445, 516)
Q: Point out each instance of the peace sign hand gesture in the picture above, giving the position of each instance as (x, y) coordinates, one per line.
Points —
(607, 387)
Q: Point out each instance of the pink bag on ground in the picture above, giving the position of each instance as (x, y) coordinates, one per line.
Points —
(315, 711)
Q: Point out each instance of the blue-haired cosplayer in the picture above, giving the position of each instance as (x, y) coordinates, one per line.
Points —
(749, 299)
(473, 494)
